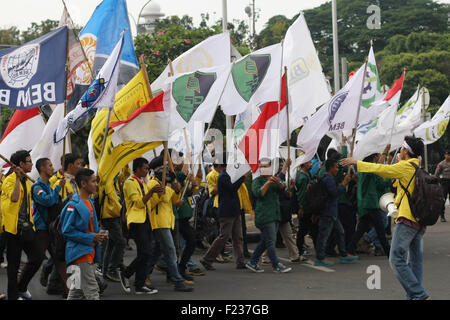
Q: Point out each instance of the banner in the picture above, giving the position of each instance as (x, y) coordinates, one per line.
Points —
(34, 74)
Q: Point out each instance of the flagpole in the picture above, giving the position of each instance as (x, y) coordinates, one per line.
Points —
(78, 39)
(395, 114)
(288, 130)
(276, 165)
(13, 165)
(357, 113)
(65, 109)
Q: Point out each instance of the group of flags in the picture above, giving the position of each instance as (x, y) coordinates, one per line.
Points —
(271, 92)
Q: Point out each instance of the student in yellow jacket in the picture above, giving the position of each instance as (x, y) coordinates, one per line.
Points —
(111, 207)
(137, 196)
(72, 163)
(212, 181)
(163, 222)
(408, 234)
(18, 227)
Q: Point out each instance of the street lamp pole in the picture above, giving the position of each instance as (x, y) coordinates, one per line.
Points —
(139, 16)
(335, 46)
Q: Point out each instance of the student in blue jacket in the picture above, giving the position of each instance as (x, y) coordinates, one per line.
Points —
(83, 238)
(44, 197)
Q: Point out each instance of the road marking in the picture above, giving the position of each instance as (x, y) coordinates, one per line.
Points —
(309, 263)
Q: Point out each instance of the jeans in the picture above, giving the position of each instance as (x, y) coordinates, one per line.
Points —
(142, 235)
(115, 245)
(408, 241)
(190, 263)
(167, 247)
(268, 239)
(372, 218)
(244, 231)
(326, 225)
(371, 236)
(88, 289)
(187, 233)
(347, 216)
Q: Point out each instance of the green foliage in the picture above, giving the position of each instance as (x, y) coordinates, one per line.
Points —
(37, 30)
(9, 37)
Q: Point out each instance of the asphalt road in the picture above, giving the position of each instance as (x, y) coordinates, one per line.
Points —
(347, 282)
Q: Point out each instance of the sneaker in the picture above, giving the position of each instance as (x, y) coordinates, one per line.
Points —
(124, 282)
(298, 260)
(171, 282)
(25, 295)
(208, 265)
(183, 288)
(195, 272)
(254, 267)
(145, 290)
(98, 271)
(323, 263)
(2, 296)
(220, 259)
(348, 259)
(280, 268)
(112, 276)
(443, 219)
(303, 258)
(186, 276)
(4, 265)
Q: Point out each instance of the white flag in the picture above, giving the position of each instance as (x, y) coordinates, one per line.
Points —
(254, 80)
(213, 51)
(307, 85)
(45, 147)
(433, 129)
(340, 113)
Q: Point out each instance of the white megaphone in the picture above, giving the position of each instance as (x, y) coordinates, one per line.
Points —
(387, 205)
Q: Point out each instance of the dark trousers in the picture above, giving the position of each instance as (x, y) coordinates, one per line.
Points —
(14, 247)
(244, 232)
(305, 226)
(2, 246)
(446, 189)
(347, 216)
(326, 226)
(142, 236)
(60, 266)
(185, 229)
(115, 245)
(372, 218)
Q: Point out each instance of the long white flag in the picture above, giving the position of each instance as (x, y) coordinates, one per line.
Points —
(307, 86)
(340, 113)
(433, 129)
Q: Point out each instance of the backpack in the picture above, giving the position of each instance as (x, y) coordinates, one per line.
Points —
(427, 201)
(315, 196)
(57, 240)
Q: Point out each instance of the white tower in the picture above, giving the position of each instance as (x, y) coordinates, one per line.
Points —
(150, 14)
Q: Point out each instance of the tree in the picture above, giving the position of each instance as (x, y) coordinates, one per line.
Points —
(9, 37)
(38, 30)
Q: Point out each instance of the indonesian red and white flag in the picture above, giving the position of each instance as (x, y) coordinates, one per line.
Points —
(22, 133)
(146, 124)
(261, 139)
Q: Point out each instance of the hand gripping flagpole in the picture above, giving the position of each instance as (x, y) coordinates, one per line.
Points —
(13, 166)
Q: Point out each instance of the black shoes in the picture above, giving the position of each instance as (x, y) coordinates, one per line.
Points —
(207, 265)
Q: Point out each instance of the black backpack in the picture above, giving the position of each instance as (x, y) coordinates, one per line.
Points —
(57, 240)
(427, 201)
(315, 196)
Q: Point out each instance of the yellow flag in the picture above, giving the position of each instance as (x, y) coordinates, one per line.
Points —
(114, 159)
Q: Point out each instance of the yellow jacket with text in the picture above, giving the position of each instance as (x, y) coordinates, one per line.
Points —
(212, 180)
(11, 209)
(161, 215)
(136, 208)
(403, 171)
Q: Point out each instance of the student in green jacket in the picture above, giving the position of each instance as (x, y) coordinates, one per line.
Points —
(266, 189)
(370, 186)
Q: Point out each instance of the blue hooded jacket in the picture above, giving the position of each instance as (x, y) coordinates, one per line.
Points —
(43, 198)
(74, 223)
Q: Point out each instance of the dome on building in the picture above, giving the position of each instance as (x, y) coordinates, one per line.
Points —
(153, 9)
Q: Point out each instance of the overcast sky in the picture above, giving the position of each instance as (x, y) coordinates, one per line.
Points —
(21, 13)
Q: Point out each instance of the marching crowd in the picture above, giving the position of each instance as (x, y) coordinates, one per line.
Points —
(63, 214)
